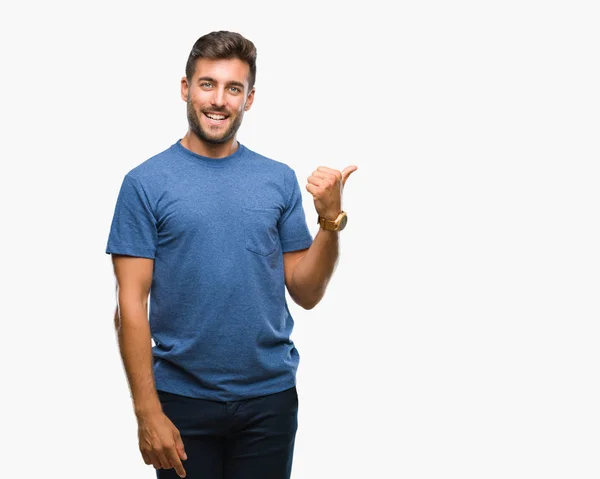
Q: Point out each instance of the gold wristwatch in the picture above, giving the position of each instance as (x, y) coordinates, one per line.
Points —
(336, 225)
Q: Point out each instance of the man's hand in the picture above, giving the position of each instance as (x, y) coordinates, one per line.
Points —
(160, 442)
(326, 186)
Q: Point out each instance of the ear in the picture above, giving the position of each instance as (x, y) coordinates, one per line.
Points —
(249, 100)
(184, 89)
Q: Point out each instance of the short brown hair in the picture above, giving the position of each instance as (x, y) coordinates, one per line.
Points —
(223, 45)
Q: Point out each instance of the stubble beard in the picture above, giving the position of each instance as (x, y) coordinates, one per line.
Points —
(196, 128)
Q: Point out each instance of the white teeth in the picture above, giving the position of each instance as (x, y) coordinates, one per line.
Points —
(215, 117)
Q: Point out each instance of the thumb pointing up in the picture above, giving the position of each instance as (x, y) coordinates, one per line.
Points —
(346, 172)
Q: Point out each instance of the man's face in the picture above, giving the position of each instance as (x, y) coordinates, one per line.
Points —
(217, 97)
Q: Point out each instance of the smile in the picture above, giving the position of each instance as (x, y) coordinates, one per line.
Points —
(215, 116)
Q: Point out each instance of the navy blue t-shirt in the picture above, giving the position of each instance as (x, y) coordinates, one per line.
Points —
(216, 230)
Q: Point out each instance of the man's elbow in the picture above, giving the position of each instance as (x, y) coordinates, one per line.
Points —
(306, 295)
(306, 305)
(308, 301)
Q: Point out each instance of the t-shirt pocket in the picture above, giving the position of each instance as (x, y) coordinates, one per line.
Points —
(260, 229)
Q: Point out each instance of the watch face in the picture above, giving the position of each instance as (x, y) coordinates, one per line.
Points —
(343, 222)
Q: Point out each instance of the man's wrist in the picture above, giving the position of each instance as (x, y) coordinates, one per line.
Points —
(329, 216)
(148, 407)
(336, 225)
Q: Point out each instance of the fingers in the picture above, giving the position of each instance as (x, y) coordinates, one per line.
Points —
(147, 459)
(179, 446)
(312, 189)
(317, 181)
(330, 171)
(155, 460)
(324, 179)
(167, 456)
(331, 175)
(324, 182)
(150, 457)
(328, 176)
(175, 461)
(164, 459)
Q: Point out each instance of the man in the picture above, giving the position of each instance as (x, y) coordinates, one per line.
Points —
(214, 233)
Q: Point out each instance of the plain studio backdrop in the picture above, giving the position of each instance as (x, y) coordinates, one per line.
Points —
(459, 335)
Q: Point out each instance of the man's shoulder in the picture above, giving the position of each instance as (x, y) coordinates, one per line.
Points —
(154, 167)
(267, 161)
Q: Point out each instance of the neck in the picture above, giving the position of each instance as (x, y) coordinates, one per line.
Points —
(210, 150)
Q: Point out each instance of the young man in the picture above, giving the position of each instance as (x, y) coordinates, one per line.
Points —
(214, 232)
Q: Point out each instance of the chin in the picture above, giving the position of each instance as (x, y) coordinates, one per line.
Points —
(217, 139)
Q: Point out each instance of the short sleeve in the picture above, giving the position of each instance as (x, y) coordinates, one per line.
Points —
(133, 230)
(293, 230)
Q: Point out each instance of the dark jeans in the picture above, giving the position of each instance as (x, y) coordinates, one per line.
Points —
(246, 439)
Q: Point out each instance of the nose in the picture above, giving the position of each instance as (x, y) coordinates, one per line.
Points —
(218, 97)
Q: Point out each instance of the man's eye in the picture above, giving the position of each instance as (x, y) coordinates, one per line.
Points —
(205, 85)
(234, 89)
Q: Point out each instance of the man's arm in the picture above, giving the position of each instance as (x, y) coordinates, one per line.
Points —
(159, 440)
(134, 278)
(308, 271)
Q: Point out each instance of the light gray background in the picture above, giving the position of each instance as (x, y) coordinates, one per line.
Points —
(459, 336)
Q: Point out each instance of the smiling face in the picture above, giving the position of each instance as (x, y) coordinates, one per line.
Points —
(217, 96)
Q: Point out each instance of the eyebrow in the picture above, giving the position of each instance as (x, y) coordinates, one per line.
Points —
(234, 82)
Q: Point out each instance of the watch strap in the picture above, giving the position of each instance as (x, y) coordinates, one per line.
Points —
(332, 225)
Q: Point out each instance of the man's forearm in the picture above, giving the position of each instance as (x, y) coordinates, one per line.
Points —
(133, 333)
(315, 269)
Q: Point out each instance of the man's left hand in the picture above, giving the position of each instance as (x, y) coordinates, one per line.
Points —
(326, 186)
